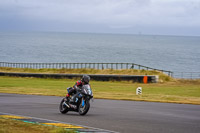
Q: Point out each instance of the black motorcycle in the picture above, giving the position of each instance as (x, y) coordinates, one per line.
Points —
(79, 102)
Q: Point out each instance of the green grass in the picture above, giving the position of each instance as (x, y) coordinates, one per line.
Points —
(176, 91)
(16, 126)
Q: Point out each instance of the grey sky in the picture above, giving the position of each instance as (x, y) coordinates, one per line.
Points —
(175, 17)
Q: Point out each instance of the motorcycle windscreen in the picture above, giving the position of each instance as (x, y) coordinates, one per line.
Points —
(87, 90)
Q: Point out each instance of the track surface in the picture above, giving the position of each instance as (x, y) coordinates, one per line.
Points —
(119, 116)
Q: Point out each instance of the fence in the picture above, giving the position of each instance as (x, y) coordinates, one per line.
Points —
(81, 65)
(187, 75)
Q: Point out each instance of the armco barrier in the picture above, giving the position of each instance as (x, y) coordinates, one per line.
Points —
(134, 78)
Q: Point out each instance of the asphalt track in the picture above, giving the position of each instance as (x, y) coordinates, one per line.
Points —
(112, 115)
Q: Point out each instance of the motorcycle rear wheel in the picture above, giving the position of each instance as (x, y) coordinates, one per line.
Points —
(63, 108)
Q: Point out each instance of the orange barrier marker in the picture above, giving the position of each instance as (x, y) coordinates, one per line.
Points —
(145, 79)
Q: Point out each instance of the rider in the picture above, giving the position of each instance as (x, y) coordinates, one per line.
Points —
(85, 80)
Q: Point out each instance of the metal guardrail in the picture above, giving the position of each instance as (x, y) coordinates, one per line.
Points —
(81, 66)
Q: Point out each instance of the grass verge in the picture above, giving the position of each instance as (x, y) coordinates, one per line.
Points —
(179, 91)
(16, 126)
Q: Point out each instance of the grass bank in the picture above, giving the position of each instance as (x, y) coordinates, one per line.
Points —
(16, 126)
(176, 91)
(162, 77)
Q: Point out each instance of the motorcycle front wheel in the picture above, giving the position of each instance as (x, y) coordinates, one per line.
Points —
(84, 109)
(63, 108)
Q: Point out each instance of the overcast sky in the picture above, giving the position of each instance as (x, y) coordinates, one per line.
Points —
(160, 17)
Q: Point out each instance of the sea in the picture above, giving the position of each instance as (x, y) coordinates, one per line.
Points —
(178, 54)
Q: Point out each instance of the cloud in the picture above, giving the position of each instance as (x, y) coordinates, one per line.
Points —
(116, 14)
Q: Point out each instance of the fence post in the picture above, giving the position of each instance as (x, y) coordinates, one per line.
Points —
(168, 73)
(132, 67)
(102, 66)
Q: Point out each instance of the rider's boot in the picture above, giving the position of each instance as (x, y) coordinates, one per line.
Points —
(71, 100)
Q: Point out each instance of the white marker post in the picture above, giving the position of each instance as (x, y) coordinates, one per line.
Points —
(139, 91)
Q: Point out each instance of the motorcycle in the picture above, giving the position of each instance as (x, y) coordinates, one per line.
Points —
(79, 102)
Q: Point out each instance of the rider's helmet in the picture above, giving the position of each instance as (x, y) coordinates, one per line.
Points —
(85, 79)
